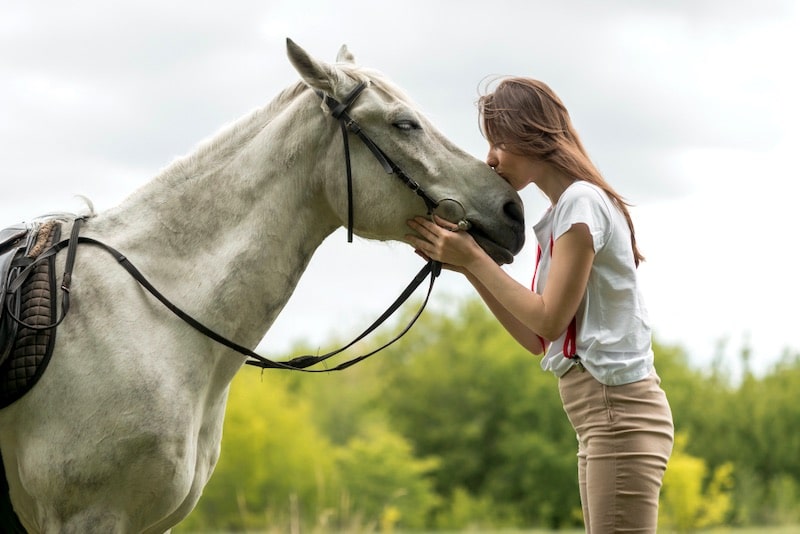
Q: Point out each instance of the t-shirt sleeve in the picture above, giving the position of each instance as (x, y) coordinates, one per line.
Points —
(583, 205)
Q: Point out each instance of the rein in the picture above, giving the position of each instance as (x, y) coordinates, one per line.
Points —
(300, 363)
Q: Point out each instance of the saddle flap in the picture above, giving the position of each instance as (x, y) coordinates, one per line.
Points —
(28, 312)
(11, 235)
(12, 242)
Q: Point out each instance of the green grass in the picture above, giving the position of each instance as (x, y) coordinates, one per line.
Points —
(794, 529)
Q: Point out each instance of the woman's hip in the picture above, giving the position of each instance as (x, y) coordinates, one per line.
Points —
(633, 412)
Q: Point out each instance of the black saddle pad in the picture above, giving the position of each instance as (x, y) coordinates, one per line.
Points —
(33, 342)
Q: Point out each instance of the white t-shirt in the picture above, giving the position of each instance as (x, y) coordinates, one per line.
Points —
(613, 332)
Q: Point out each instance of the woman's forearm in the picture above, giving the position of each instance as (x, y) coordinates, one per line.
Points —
(549, 314)
(521, 333)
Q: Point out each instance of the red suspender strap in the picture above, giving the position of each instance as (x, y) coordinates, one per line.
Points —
(533, 288)
(570, 343)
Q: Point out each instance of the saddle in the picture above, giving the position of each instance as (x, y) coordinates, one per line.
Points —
(28, 313)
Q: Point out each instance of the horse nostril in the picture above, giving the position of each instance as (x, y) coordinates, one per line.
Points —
(514, 212)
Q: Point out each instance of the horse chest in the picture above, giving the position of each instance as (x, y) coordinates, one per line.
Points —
(151, 472)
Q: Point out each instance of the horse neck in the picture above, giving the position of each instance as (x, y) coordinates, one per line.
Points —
(228, 231)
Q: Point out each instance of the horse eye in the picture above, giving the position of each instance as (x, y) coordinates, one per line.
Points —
(406, 125)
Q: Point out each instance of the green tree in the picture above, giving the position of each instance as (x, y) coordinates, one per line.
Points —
(458, 427)
(750, 424)
(767, 449)
(384, 482)
(471, 396)
(691, 499)
(345, 403)
(271, 470)
(278, 470)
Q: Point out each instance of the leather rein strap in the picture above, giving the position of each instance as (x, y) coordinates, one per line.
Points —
(299, 363)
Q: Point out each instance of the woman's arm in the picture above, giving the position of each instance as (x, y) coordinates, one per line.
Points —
(521, 333)
(550, 313)
(547, 315)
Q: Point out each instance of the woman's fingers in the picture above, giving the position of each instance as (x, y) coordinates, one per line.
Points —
(437, 239)
(424, 226)
(432, 228)
(444, 223)
(419, 225)
(424, 241)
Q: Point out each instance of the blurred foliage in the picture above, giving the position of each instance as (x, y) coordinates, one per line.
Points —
(690, 499)
(457, 427)
(272, 456)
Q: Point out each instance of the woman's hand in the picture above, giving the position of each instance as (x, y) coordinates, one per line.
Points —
(441, 240)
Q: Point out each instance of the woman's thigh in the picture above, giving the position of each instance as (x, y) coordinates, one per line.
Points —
(625, 438)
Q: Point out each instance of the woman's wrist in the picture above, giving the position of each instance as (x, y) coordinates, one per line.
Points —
(479, 264)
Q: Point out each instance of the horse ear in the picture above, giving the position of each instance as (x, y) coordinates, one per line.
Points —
(345, 56)
(317, 74)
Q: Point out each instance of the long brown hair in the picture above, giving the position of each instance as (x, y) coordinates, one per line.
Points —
(524, 116)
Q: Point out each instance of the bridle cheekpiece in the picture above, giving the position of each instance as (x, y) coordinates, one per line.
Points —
(347, 123)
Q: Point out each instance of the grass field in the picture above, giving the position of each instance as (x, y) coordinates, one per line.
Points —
(795, 529)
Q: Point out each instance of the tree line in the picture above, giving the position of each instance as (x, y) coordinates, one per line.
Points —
(457, 427)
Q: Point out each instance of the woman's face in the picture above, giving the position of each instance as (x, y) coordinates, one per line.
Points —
(516, 169)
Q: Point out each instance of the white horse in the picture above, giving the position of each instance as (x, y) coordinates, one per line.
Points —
(123, 431)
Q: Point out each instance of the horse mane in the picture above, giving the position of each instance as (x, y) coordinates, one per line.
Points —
(215, 151)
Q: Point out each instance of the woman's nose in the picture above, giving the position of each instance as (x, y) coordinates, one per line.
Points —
(491, 158)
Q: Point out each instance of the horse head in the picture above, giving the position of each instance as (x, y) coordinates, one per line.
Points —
(447, 180)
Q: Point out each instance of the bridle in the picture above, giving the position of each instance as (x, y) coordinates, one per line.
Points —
(339, 112)
(299, 363)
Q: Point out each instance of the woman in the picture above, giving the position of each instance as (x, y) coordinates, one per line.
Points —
(584, 312)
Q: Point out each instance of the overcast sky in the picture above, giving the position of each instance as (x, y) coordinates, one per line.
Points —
(689, 108)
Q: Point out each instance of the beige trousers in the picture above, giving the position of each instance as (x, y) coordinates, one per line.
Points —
(625, 436)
